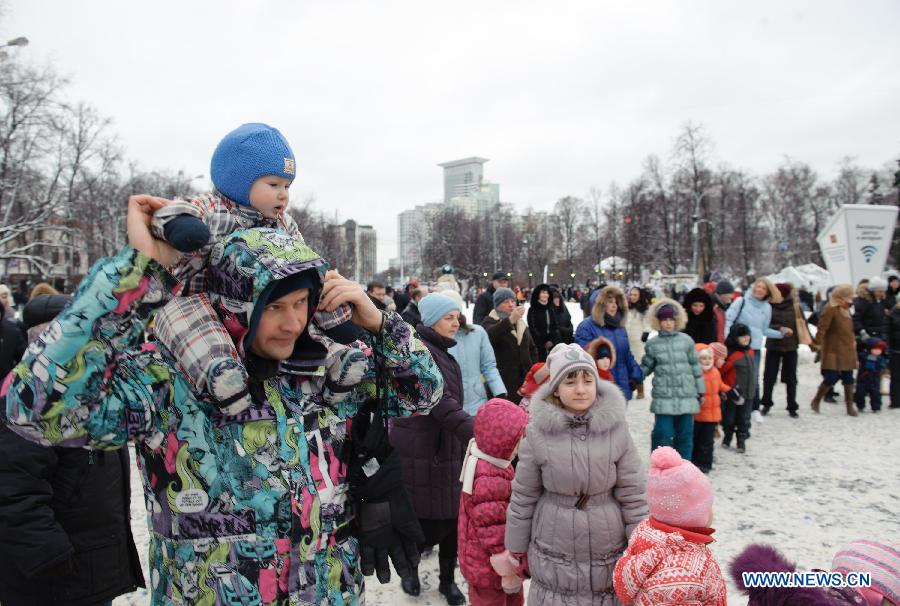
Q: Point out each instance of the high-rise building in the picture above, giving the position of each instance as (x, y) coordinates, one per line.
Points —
(463, 178)
(358, 250)
(412, 233)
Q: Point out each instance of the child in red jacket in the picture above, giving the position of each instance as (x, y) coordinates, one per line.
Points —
(487, 477)
(668, 560)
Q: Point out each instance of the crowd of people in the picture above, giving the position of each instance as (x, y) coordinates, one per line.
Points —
(295, 432)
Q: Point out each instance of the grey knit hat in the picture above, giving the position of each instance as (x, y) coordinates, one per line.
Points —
(502, 294)
(565, 359)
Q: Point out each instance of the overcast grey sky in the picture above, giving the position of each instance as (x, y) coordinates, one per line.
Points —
(561, 96)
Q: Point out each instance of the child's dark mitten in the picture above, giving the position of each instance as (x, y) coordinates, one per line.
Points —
(186, 233)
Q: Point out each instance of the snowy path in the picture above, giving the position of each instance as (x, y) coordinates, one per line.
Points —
(806, 485)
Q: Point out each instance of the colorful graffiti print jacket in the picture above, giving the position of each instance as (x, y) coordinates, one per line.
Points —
(244, 510)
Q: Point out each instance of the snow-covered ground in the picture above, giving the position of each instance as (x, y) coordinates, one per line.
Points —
(805, 485)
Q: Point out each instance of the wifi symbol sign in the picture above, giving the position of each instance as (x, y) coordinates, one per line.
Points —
(868, 252)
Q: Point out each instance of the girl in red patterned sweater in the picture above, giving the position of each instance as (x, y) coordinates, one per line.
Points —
(487, 477)
(667, 560)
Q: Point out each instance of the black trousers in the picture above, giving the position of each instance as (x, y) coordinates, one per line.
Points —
(787, 360)
(736, 419)
(704, 438)
(441, 533)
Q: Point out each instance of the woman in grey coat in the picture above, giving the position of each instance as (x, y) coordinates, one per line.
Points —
(579, 485)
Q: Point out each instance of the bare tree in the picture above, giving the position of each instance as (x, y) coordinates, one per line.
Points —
(567, 216)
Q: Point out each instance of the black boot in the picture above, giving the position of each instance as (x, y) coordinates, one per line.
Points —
(447, 586)
(726, 441)
(411, 584)
(741, 446)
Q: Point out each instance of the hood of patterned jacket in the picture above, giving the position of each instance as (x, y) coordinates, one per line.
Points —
(244, 269)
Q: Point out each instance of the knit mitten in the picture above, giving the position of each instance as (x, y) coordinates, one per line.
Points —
(186, 233)
(505, 566)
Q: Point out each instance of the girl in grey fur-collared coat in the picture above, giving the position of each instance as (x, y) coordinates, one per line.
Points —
(579, 486)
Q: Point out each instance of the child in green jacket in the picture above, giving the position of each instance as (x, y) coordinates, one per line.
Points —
(678, 384)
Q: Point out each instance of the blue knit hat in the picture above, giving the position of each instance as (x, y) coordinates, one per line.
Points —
(247, 153)
(435, 306)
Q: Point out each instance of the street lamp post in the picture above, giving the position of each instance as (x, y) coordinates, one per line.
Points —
(695, 228)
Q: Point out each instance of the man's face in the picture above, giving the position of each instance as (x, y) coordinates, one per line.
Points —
(377, 293)
(507, 306)
(727, 298)
(501, 283)
(894, 284)
(281, 323)
(4, 298)
(269, 195)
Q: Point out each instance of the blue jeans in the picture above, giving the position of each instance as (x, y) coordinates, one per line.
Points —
(676, 431)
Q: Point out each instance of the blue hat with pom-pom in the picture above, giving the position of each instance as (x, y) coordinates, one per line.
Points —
(247, 153)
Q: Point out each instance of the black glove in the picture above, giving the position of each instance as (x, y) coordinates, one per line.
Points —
(389, 529)
(186, 233)
(645, 336)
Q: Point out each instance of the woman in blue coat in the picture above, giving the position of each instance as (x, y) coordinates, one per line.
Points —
(606, 320)
(475, 354)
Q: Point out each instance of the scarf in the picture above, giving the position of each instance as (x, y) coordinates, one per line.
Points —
(612, 321)
(518, 330)
(473, 453)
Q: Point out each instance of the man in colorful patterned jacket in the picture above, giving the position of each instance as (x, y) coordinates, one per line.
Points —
(250, 508)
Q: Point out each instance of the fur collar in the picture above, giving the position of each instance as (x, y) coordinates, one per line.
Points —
(518, 330)
(605, 414)
(680, 314)
(608, 293)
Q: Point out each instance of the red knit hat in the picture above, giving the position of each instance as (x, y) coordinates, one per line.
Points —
(720, 352)
(533, 379)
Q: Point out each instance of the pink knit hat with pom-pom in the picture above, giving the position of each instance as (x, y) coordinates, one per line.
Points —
(678, 493)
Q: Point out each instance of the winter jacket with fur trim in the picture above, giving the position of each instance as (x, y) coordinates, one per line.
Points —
(578, 493)
(672, 360)
(667, 565)
(252, 507)
(515, 351)
(626, 370)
